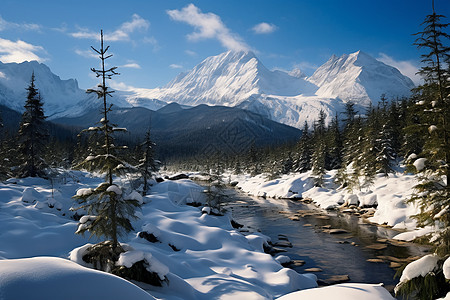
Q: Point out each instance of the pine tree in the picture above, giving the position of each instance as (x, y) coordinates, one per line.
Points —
(433, 110)
(320, 151)
(147, 164)
(305, 150)
(33, 135)
(109, 210)
(335, 144)
(432, 193)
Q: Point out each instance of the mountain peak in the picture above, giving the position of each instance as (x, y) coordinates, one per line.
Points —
(360, 78)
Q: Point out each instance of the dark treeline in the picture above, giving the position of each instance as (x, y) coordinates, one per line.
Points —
(358, 144)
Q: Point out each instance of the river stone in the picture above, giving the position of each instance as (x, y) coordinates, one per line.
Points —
(337, 231)
(284, 244)
(335, 279)
(313, 270)
(322, 217)
(326, 226)
(395, 265)
(294, 218)
(307, 225)
(375, 260)
(377, 246)
(282, 237)
(296, 263)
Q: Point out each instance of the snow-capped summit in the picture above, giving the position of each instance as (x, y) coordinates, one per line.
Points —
(59, 96)
(360, 78)
(229, 79)
(233, 78)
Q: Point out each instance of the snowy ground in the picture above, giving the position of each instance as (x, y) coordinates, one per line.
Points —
(214, 261)
(390, 194)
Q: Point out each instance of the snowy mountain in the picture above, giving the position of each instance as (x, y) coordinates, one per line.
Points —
(240, 79)
(59, 96)
(234, 79)
(228, 79)
(359, 78)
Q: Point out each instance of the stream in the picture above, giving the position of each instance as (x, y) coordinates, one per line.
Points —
(307, 238)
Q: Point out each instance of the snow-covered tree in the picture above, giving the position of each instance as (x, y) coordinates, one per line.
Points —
(109, 210)
(432, 195)
(320, 152)
(33, 135)
(147, 165)
(303, 162)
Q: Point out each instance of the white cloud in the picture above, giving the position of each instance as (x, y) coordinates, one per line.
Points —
(86, 53)
(152, 41)
(131, 66)
(19, 51)
(208, 26)
(264, 28)
(175, 66)
(407, 68)
(120, 34)
(4, 25)
(190, 52)
(120, 86)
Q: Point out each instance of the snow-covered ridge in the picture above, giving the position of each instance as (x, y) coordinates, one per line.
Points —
(229, 79)
(240, 79)
(360, 78)
(59, 96)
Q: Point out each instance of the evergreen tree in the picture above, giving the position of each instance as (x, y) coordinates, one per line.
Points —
(385, 154)
(33, 135)
(305, 150)
(432, 193)
(335, 144)
(109, 210)
(147, 164)
(320, 151)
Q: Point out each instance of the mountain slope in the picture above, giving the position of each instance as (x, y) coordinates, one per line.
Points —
(233, 79)
(359, 78)
(59, 96)
(228, 79)
(200, 130)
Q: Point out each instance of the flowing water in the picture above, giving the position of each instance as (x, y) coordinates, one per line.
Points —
(335, 254)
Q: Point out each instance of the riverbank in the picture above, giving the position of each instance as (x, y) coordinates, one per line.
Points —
(336, 247)
(385, 202)
(202, 256)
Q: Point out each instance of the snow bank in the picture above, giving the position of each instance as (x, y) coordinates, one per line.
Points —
(343, 291)
(56, 278)
(389, 194)
(202, 255)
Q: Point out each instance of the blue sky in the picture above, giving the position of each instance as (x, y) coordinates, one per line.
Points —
(152, 41)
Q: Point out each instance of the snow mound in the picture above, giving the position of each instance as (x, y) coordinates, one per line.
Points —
(343, 291)
(56, 278)
(420, 267)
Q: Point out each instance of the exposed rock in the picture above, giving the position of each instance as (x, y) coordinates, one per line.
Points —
(284, 244)
(313, 270)
(377, 246)
(395, 265)
(335, 279)
(337, 231)
(375, 260)
(178, 177)
(296, 263)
